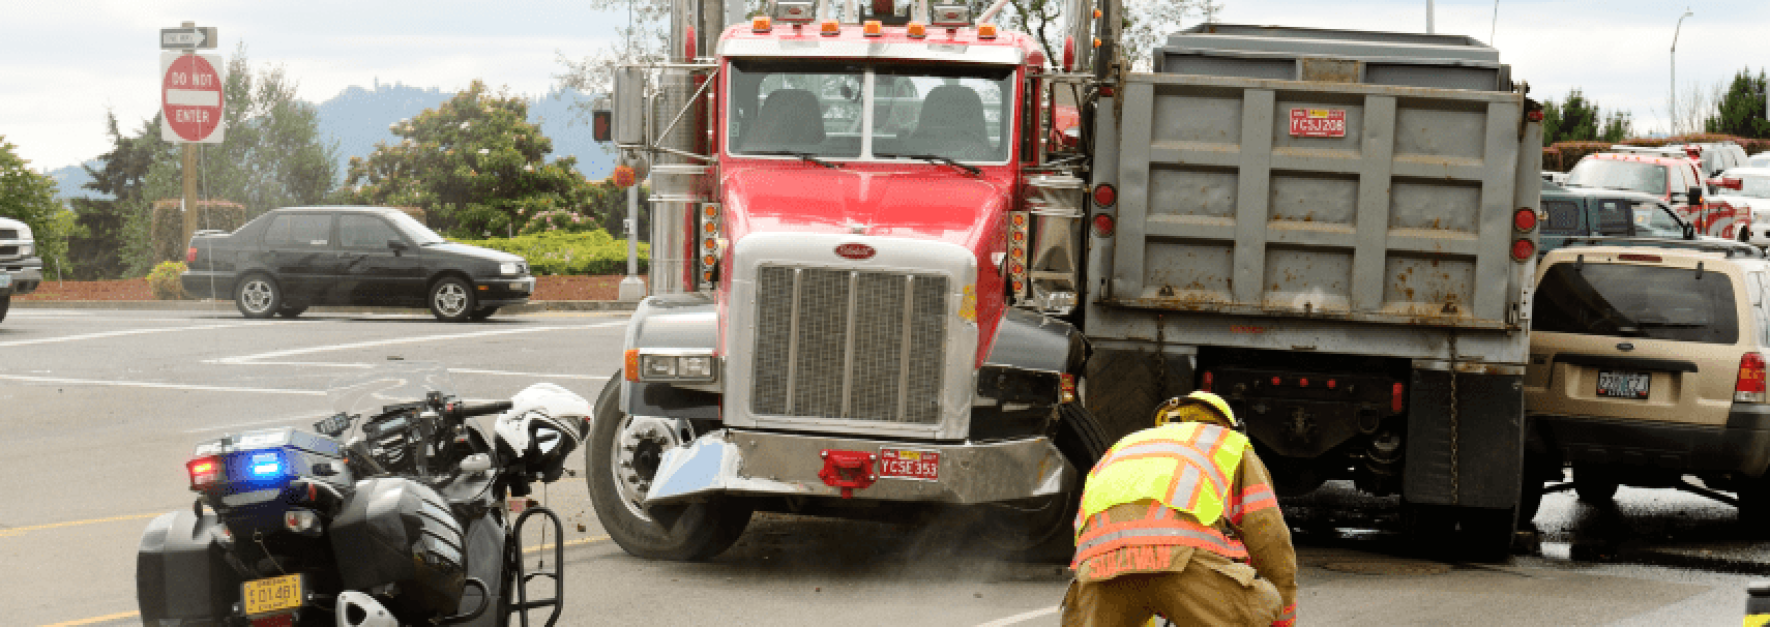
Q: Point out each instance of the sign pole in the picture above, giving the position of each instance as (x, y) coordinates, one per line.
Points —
(191, 95)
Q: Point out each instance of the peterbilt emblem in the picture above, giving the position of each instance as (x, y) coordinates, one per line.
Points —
(856, 251)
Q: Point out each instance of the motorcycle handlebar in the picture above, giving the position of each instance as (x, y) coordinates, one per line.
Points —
(483, 409)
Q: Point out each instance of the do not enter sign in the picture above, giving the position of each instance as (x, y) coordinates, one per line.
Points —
(191, 98)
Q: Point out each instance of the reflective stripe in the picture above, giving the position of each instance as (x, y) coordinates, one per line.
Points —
(1205, 539)
(1161, 447)
(1258, 498)
(1288, 618)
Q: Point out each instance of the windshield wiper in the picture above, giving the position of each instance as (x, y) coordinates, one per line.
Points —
(974, 170)
(794, 153)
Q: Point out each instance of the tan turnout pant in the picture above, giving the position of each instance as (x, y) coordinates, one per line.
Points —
(1211, 590)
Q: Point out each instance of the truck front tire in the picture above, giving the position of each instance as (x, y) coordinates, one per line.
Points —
(703, 530)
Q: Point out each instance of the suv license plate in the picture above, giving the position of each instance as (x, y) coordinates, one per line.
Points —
(1623, 384)
(263, 596)
(897, 463)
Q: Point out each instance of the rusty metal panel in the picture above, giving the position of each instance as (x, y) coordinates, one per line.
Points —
(1404, 218)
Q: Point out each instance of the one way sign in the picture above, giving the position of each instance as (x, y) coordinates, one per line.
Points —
(188, 38)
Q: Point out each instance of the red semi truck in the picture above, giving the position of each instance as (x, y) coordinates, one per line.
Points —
(890, 277)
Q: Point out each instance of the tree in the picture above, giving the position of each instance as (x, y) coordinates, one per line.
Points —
(29, 197)
(1741, 110)
(475, 164)
(1580, 119)
(104, 242)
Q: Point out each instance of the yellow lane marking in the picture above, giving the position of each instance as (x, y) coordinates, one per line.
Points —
(579, 542)
(6, 533)
(96, 619)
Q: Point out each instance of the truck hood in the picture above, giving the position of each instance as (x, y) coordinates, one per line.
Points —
(944, 205)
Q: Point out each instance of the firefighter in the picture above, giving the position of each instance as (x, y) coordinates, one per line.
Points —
(1180, 520)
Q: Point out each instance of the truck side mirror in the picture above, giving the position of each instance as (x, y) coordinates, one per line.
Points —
(629, 106)
(1695, 195)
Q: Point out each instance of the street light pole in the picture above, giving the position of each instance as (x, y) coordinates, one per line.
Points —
(1674, 113)
(1429, 28)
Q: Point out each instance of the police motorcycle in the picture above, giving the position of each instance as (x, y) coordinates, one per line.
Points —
(398, 511)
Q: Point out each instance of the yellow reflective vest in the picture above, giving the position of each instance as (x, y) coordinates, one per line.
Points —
(1186, 466)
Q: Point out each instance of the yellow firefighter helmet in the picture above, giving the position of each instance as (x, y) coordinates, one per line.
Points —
(1199, 406)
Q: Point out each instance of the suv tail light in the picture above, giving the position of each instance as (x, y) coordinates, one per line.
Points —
(1749, 388)
(190, 255)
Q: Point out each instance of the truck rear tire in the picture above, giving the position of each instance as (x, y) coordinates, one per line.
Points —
(1593, 484)
(704, 529)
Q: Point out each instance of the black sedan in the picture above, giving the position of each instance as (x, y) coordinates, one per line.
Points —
(291, 258)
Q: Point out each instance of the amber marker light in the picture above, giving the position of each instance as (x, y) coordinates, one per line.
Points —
(630, 366)
(761, 24)
(986, 31)
(916, 30)
(831, 28)
(873, 28)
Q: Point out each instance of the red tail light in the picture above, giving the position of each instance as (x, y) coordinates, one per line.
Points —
(1523, 249)
(1205, 382)
(1104, 225)
(1105, 195)
(1524, 219)
(204, 471)
(190, 255)
(1303, 383)
(1397, 398)
(1068, 389)
(1749, 388)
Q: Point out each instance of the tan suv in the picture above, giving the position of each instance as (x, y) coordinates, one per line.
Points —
(1647, 363)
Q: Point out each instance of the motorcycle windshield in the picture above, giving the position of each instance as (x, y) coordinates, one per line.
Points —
(365, 392)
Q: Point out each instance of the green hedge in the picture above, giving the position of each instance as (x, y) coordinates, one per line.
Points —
(593, 252)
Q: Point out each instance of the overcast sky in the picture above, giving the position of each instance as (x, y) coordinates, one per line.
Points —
(65, 63)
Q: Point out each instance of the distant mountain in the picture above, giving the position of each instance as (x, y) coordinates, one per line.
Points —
(358, 117)
(70, 179)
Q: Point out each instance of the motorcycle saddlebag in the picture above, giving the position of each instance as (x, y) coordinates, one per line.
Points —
(398, 531)
(181, 571)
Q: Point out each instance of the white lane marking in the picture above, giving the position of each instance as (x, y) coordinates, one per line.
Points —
(156, 385)
(494, 373)
(106, 334)
(272, 421)
(249, 359)
(1022, 617)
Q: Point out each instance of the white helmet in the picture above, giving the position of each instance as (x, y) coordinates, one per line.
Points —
(535, 413)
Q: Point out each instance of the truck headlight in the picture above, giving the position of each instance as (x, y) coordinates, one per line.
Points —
(507, 268)
(678, 368)
(25, 249)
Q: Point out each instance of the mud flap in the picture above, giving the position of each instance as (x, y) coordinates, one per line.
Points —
(1489, 441)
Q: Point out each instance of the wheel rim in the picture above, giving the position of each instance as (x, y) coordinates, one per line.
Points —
(451, 299)
(639, 446)
(257, 295)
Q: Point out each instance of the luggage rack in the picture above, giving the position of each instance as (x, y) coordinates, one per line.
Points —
(1729, 248)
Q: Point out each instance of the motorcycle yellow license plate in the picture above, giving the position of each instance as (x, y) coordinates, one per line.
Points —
(263, 596)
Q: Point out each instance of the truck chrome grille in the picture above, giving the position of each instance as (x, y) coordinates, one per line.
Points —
(850, 344)
(8, 233)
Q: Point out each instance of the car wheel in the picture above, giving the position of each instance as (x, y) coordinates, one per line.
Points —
(451, 300)
(621, 460)
(291, 311)
(258, 296)
(1594, 485)
(482, 313)
(5, 304)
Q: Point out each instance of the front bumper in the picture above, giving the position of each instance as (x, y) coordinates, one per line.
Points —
(26, 273)
(504, 292)
(773, 464)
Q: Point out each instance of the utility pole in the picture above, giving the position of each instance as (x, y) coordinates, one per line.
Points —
(189, 202)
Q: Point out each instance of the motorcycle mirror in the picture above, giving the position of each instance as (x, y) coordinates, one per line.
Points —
(477, 462)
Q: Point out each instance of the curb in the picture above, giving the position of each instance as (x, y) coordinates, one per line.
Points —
(188, 305)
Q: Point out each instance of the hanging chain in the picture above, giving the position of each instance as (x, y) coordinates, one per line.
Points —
(1455, 488)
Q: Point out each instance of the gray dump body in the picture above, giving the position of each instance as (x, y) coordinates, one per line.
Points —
(1386, 233)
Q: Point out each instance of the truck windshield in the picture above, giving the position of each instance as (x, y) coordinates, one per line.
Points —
(1625, 175)
(870, 111)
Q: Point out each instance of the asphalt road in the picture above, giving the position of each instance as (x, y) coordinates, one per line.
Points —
(99, 410)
